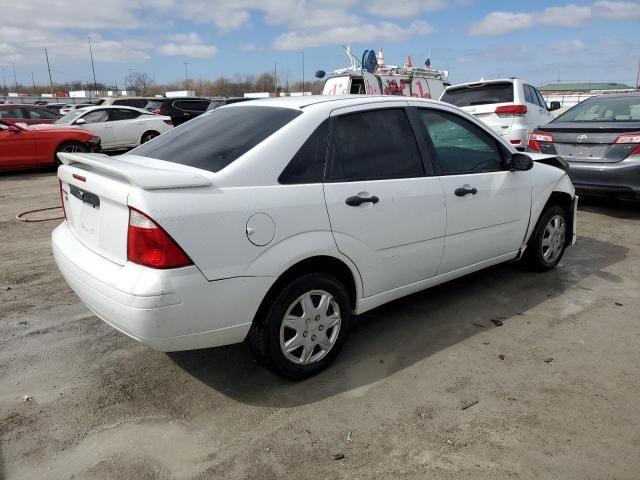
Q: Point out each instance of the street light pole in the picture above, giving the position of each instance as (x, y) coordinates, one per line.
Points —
(46, 54)
(15, 79)
(186, 75)
(93, 69)
(303, 73)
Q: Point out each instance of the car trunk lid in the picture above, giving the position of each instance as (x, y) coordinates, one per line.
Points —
(593, 142)
(95, 192)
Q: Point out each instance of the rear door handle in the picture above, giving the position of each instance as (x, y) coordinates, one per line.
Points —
(356, 200)
(465, 190)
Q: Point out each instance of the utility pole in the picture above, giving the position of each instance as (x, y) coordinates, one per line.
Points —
(638, 77)
(186, 75)
(46, 54)
(275, 79)
(303, 73)
(33, 81)
(15, 79)
(93, 69)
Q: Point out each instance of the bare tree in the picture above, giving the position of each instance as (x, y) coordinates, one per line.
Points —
(140, 82)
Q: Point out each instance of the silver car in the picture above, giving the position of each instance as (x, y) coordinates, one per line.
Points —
(600, 140)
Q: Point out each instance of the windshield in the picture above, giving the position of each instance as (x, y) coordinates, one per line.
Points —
(479, 95)
(216, 139)
(603, 109)
(69, 117)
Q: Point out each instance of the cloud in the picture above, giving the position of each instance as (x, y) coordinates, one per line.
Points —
(187, 45)
(361, 33)
(409, 8)
(247, 47)
(569, 15)
(566, 46)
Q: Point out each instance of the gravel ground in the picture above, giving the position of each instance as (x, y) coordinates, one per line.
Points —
(552, 361)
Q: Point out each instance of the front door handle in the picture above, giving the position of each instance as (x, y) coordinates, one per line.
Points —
(465, 190)
(356, 200)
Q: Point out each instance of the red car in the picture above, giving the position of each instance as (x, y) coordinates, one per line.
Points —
(30, 147)
(29, 114)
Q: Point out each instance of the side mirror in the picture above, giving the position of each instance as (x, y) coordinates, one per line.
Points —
(80, 121)
(14, 129)
(521, 162)
(555, 106)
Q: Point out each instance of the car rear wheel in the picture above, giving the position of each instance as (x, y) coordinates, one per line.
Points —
(548, 241)
(69, 147)
(146, 136)
(304, 327)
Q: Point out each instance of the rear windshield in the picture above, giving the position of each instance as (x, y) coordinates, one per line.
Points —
(603, 109)
(479, 95)
(215, 139)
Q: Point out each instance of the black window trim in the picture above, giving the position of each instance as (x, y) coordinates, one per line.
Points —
(281, 177)
(426, 166)
(504, 152)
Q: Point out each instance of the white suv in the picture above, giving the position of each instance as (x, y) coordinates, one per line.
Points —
(509, 106)
(276, 220)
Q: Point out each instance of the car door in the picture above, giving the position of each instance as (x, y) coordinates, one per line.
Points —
(17, 150)
(546, 115)
(488, 206)
(127, 126)
(98, 122)
(386, 210)
(536, 114)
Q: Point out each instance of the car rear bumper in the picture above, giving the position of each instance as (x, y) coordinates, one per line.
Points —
(169, 310)
(619, 177)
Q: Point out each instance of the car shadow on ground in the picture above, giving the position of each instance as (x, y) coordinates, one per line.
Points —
(626, 209)
(399, 334)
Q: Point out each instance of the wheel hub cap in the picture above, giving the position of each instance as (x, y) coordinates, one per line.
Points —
(553, 238)
(310, 327)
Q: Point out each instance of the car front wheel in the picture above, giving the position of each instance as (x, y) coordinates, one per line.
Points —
(548, 241)
(304, 328)
(69, 147)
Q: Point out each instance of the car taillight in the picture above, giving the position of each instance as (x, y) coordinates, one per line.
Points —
(64, 209)
(511, 111)
(536, 137)
(149, 245)
(168, 122)
(630, 139)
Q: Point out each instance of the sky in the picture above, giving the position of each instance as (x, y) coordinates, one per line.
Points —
(540, 41)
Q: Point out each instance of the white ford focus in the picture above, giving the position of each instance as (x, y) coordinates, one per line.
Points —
(277, 220)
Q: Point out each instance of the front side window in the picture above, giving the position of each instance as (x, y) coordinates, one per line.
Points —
(213, 141)
(96, 116)
(459, 145)
(374, 145)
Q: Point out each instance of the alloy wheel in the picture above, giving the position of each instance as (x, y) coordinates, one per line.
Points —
(553, 238)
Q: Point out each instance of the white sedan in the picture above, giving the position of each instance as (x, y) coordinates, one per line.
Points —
(118, 127)
(277, 220)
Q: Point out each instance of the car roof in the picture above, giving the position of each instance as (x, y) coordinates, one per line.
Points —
(484, 82)
(114, 107)
(331, 102)
(12, 105)
(615, 95)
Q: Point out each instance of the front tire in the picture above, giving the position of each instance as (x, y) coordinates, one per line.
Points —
(548, 241)
(69, 147)
(303, 328)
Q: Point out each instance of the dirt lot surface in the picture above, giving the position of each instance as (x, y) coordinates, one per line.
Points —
(557, 385)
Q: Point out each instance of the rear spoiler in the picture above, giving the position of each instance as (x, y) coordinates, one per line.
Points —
(141, 174)
(552, 160)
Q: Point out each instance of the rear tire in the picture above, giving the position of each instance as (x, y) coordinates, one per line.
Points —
(548, 241)
(146, 136)
(69, 147)
(303, 328)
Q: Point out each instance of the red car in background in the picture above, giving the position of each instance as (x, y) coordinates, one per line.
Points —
(25, 147)
(29, 114)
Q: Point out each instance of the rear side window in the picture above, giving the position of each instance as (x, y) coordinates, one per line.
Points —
(115, 115)
(10, 113)
(194, 105)
(215, 140)
(374, 145)
(37, 114)
(307, 166)
(479, 94)
(153, 104)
